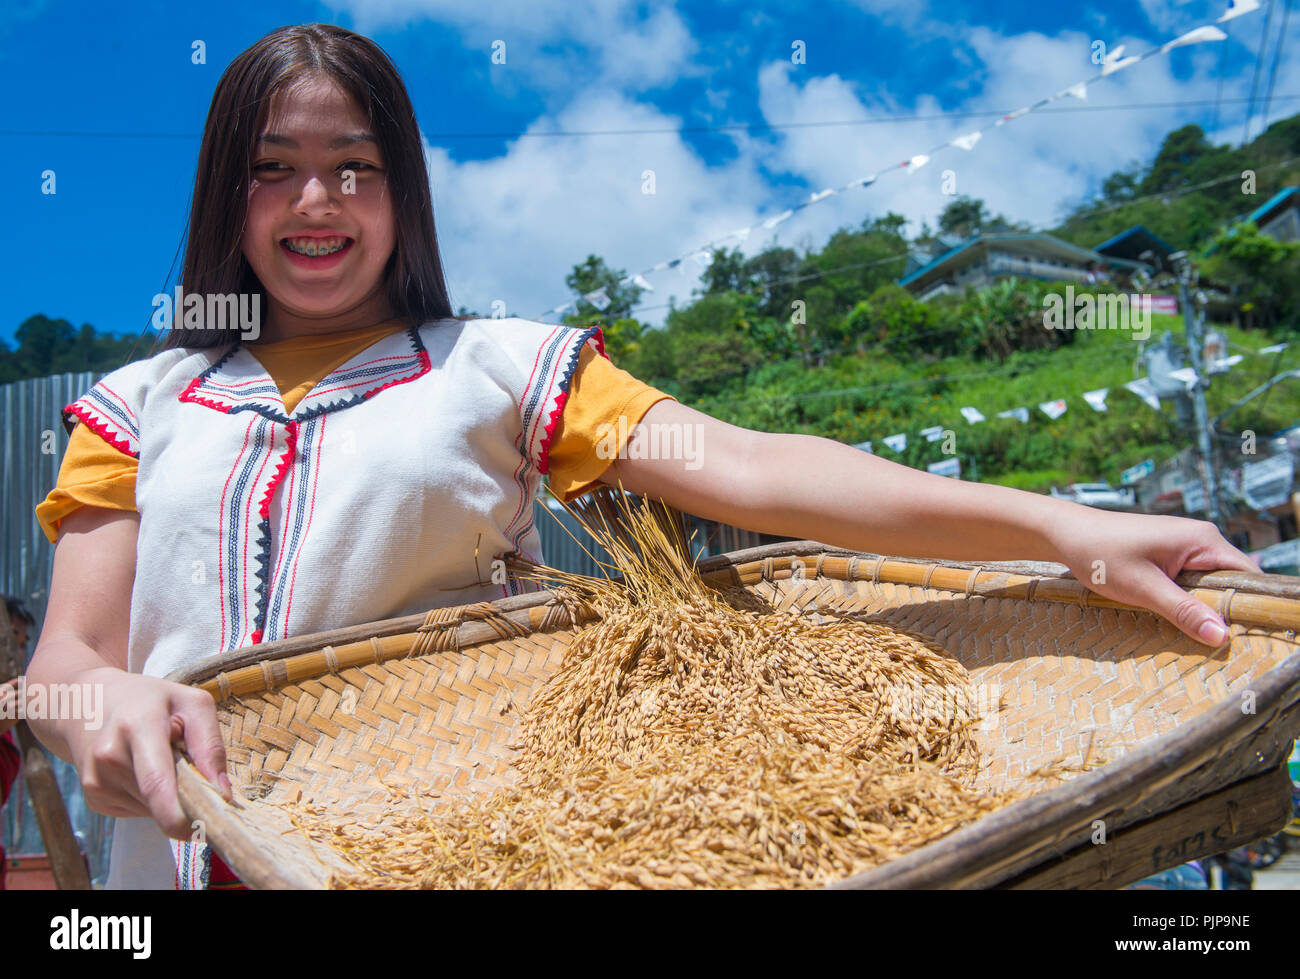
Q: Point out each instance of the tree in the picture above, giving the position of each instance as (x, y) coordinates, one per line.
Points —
(728, 272)
(964, 216)
(1264, 273)
(1179, 152)
(53, 346)
(594, 274)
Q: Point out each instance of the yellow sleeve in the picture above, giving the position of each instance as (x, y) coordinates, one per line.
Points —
(93, 473)
(599, 395)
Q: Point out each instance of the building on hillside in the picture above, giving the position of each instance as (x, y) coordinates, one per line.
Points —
(981, 260)
(1279, 216)
(1137, 244)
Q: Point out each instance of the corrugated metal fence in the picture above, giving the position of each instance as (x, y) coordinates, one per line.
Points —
(34, 443)
(33, 446)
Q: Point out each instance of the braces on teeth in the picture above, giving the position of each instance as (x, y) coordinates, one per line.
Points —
(312, 249)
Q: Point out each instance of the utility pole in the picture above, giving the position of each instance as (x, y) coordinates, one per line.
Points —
(1195, 344)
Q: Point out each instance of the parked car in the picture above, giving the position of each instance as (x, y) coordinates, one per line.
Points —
(1101, 495)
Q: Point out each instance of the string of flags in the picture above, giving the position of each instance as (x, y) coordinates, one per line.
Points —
(1057, 407)
(1113, 61)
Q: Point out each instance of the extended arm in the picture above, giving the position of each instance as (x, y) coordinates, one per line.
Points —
(804, 486)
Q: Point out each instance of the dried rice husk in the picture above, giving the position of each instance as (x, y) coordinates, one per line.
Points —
(696, 738)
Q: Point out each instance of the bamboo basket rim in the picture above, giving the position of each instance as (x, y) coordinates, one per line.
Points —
(1267, 599)
(1058, 812)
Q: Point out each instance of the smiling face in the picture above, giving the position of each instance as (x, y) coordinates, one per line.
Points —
(319, 250)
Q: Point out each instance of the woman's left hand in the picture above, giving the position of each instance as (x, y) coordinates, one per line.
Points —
(1133, 558)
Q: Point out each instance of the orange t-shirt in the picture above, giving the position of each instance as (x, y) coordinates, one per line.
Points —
(94, 473)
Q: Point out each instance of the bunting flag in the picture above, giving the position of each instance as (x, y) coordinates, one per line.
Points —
(1276, 348)
(1197, 36)
(1113, 62)
(1020, 414)
(896, 442)
(1143, 389)
(1097, 399)
(643, 282)
(933, 433)
(1053, 409)
(599, 299)
(864, 446)
(771, 223)
(972, 415)
(1238, 7)
(1187, 375)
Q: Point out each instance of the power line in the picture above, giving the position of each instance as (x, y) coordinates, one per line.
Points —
(1277, 56)
(730, 127)
(1254, 82)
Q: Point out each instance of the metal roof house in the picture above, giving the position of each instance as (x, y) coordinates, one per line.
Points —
(1280, 215)
(980, 260)
(1134, 243)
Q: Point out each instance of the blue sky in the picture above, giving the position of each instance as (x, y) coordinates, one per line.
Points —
(110, 101)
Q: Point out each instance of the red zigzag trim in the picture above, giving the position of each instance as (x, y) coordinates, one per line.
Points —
(100, 428)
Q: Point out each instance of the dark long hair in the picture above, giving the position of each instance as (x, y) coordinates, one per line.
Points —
(214, 258)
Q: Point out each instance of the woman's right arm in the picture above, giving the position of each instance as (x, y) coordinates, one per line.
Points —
(123, 756)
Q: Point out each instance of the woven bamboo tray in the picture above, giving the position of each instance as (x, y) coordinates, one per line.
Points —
(1195, 739)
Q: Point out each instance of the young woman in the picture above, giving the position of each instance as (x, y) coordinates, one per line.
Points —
(345, 464)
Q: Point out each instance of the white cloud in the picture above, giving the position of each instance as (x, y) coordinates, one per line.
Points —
(1027, 169)
(513, 227)
(594, 41)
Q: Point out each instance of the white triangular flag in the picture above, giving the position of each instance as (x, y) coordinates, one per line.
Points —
(864, 446)
(1185, 374)
(1079, 91)
(703, 258)
(1227, 362)
(1237, 8)
(773, 222)
(1053, 409)
(867, 181)
(1012, 115)
(1114, 63)
(1097, 399)
(820, 195)
(599, 299)
(1276, 348)
(1019, 414)
(644, 283)
(933, 433)
(1195, 36)
(968, 141)
(1143, 389)
(917, 162)
(972, 415)
(896, 442)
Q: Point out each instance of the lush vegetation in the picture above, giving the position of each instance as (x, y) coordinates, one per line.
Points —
(827, 343)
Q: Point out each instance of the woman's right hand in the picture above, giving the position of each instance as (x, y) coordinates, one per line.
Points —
(125, 761)
(126, 766)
